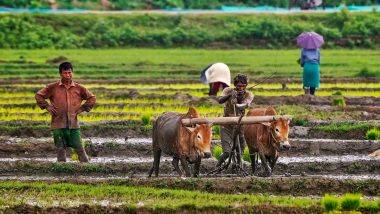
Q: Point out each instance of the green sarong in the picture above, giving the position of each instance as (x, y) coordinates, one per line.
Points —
(310, 75)
(67, 138)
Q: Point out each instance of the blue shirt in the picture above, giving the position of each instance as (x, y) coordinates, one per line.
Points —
(310, 56)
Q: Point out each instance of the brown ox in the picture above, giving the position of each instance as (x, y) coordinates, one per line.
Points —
(183, 143)
(266, 139)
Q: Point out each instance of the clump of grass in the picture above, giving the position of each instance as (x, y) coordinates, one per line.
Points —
(337, 93)
(300, 122)
(364, 72)
(246, 155)
(339, 101)
(343, 127)
(350, 202)
(74, 154)
(372, 134)
(217, 152)
(330, 203)
(216, 130)
(146, 119)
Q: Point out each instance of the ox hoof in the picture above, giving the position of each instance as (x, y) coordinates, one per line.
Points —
(287, 175)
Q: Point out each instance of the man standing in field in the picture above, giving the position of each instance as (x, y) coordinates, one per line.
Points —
(235, 100)
(66, 97)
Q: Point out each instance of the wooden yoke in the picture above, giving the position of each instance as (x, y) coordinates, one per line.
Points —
(233, 120)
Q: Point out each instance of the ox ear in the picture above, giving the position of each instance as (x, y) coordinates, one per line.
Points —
(210, 124)
(189, 129)
(266, 124)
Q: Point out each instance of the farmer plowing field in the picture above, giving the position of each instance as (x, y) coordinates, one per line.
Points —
(235, 101)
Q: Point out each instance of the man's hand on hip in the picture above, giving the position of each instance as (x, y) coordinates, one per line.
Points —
(80, 110)
(51, 110)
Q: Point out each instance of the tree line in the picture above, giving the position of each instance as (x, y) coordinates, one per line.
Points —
(165, 4)
(61, 31)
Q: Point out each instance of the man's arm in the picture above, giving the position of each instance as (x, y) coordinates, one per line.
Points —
(227, 94)
(302, 60)
(40, 97)
(223, 99)
(90, 100)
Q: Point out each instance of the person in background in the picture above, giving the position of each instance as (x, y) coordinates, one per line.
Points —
(310, 61)
(218, 76)
(235, 101)
(66, 98)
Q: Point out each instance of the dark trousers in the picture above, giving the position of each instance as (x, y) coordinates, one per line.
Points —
(312, 90)
(214, 87)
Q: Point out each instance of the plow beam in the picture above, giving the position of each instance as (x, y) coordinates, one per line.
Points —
(233, 120)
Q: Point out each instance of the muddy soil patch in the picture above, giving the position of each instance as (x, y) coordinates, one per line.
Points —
(142, 147)
(296, 186)
(141, 168)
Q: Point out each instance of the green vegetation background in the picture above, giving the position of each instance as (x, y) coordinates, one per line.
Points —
(62, 31)
(163, 4)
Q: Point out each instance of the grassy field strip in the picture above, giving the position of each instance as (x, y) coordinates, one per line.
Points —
(198, 93)
(115, 109)
(205, 87)
(24, 95)
(99, 101)
(91, 117)
(133, 112)
(46, 195)
(335, 63)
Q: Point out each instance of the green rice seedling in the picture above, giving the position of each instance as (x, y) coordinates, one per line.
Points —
(342, 127)
(337, 93)
(372, 134)
(364, 72)
(339, 101)
(300, 122)
(74, 155)
(350, 202)
(146, 119)
(217, 152)
(216, 130)
(330, 203)
(246, 155)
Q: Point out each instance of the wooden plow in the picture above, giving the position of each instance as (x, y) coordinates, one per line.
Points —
(235, 155)
(233, 120)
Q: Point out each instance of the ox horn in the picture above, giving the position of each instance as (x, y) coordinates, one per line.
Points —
(190, 129)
